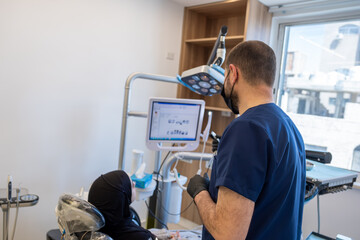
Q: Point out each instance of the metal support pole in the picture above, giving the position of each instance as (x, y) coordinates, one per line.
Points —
(164, 189)
(165, 185)
(5, 209)
(152, 201)
(27, 201)
(126, 106)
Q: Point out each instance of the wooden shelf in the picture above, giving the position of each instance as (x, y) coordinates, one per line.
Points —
(209, 42)
(220, 9)
(220, 109)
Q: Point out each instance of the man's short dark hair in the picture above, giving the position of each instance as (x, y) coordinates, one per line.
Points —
(256, 61)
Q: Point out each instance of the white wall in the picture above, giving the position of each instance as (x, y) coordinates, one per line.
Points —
(339, 214)
(63, 66)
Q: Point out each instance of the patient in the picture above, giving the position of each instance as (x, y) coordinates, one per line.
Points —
(112, 193)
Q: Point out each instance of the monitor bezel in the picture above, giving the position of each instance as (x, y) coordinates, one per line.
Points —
(155, 144)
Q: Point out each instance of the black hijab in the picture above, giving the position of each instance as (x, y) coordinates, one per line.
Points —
(111, 194)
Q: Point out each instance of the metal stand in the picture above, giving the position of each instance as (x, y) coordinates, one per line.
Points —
(165, 185)
(23, 201)
(5, 208)
(126, 114)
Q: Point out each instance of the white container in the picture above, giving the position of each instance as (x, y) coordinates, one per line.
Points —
(144, 193)
(137, 160)
(175, 200)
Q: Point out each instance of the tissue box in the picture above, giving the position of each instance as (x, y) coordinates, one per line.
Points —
(142, 182)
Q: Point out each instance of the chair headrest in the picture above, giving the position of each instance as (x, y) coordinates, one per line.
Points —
(77, 215)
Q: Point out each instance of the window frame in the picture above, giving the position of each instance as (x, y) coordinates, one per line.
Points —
(290, 18)
(300, 14)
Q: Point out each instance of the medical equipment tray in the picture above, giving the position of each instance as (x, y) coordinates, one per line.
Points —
(330, 179)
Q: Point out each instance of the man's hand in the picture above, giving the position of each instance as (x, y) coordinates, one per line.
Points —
(197, 184)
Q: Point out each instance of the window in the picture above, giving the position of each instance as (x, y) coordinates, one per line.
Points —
(319, 86)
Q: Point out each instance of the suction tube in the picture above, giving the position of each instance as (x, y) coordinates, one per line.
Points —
(205, 138)
(177, 179)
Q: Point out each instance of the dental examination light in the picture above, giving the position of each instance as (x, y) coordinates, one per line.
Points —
(208, 79)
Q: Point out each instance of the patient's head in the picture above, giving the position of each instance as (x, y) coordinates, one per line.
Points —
(112, 193)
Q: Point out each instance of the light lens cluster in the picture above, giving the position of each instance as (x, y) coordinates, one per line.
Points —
(203, 84)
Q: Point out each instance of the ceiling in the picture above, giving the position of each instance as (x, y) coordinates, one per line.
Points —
(268, 3)
(187, 3)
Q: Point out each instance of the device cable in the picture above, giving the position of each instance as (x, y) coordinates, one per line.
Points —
(210, 164)
(152, 214)
(162, 163)
(205, 136)
(318, 212)
(157, 173)
(176, 175)
(176, 163)
(200, 162)
(175, 214)
(17, 211)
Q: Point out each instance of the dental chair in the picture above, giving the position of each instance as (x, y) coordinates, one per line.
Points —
(78, 219)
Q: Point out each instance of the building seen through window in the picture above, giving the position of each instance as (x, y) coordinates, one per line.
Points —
(320, 86)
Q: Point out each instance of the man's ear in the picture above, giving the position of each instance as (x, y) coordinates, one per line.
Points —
(233, 74)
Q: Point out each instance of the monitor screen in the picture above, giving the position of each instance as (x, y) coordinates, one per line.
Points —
(174, 121)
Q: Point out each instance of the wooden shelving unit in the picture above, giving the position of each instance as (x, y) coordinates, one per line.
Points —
(209, 42)
(246, 20)
(218, 109)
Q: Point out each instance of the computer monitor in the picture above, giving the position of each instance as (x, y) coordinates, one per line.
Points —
(174, 124)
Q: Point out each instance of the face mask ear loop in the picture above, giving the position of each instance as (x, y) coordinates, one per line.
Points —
(225, 82)
(232, 90)
(233, 85)
(237, 112)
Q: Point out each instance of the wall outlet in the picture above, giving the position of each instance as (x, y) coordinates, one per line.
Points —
(170, 56)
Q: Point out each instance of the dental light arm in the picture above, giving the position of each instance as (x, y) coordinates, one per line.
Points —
(208, 79)
(219, 49)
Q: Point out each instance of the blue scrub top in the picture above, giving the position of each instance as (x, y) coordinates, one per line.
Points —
(261, 156)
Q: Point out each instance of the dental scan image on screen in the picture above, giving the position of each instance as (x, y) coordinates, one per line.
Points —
(174, 121)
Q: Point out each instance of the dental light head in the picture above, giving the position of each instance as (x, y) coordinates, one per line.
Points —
(208, 79)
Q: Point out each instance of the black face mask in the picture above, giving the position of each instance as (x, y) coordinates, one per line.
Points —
(228, 100)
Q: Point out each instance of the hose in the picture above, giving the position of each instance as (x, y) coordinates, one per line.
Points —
(17, 212)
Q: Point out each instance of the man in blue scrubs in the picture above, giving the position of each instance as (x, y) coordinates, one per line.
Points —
(257, 184)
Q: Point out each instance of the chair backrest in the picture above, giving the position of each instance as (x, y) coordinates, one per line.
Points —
(75, 215)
